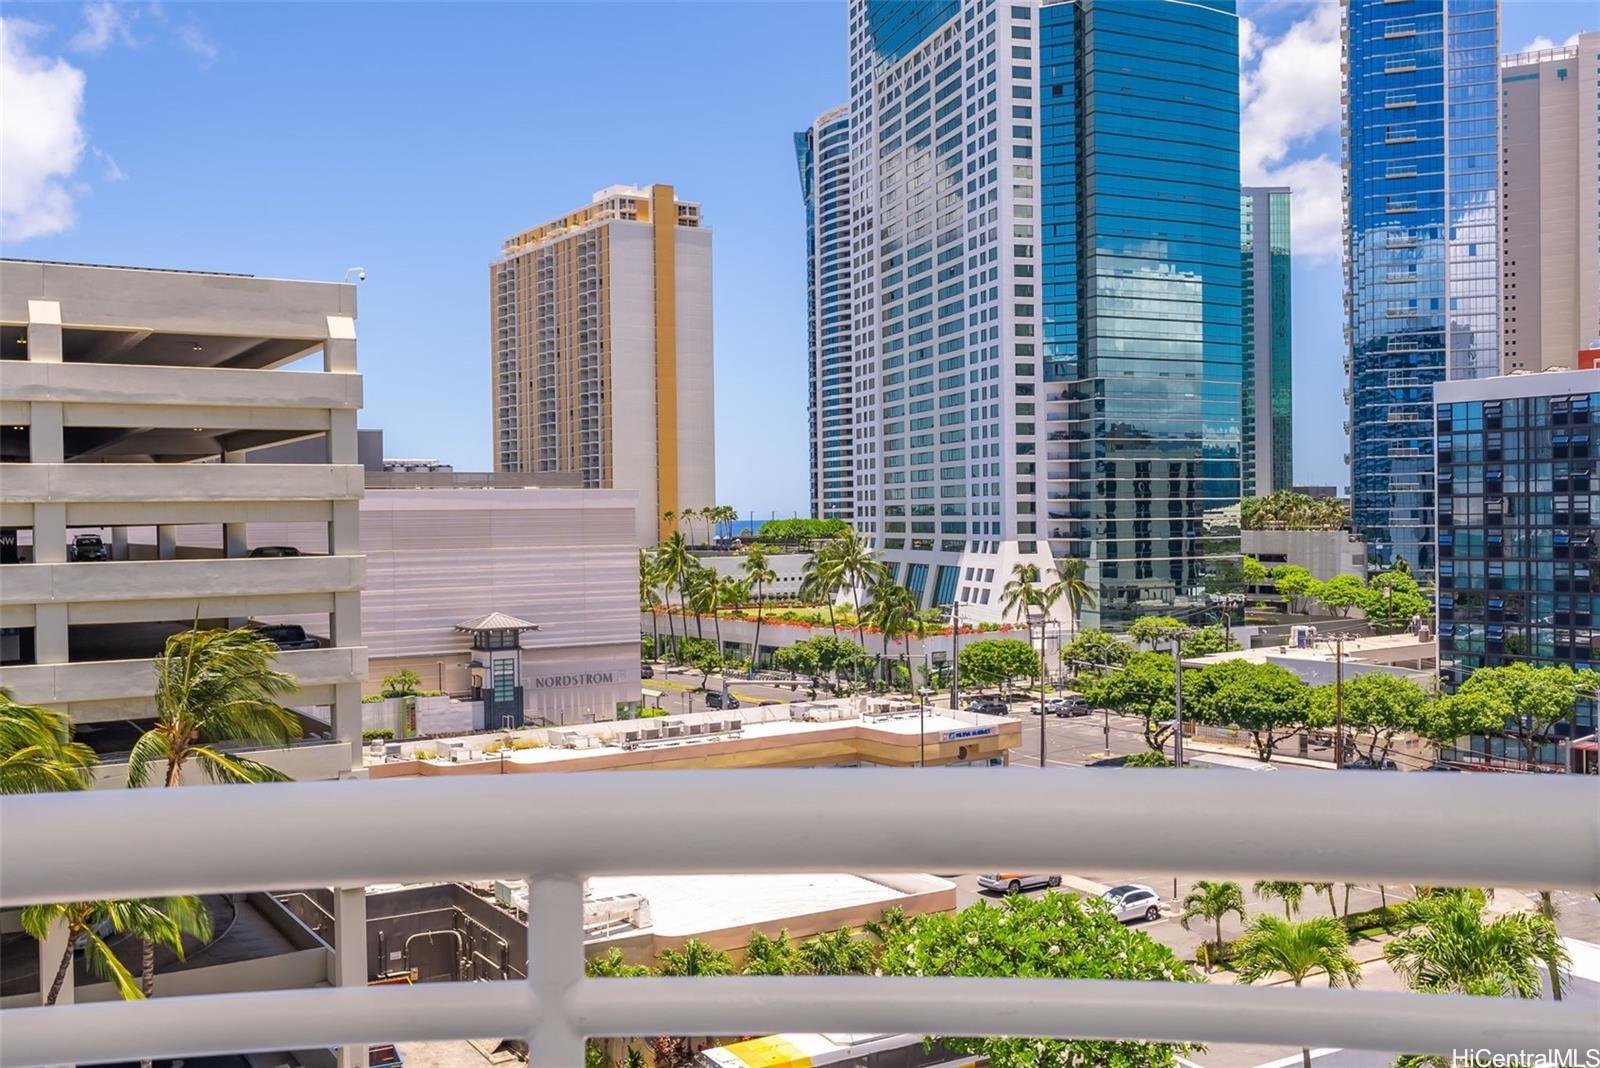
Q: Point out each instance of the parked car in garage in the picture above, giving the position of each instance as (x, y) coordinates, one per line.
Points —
(1010, 882)
(88, 547)
(287, 635)
(1133, 901)
(274, 550)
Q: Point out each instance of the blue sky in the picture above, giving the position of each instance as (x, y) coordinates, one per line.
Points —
(296, 140)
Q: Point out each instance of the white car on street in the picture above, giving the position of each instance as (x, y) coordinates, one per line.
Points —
(1133, 901)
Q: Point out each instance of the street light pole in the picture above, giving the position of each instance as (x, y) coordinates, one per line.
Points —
(955, 654)
(1177, 699)
(1338, 702)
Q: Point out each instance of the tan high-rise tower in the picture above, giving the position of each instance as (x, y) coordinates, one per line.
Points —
(1550, 199)
(602, 351)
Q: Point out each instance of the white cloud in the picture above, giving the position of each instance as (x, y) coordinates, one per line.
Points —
(103, 26)
(1539, 44)
(41, 135)
(1289, 99)
(195, 40)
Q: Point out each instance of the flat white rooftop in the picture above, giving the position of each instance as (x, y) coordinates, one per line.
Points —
(692, 904)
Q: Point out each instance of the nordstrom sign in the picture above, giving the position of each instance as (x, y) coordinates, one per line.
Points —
(580, 678)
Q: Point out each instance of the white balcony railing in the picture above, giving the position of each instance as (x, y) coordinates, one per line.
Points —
(1439, 830)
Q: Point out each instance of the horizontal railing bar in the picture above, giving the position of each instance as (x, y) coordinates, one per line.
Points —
(1082, 1008)
(1307, 826)
(242, 1023)
(265, 1021)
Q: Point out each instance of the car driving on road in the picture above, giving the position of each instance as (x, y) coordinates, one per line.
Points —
(1009, 882)
(1133, 901)
(989, 706)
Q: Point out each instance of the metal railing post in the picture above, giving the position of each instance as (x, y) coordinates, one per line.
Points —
(555, 967)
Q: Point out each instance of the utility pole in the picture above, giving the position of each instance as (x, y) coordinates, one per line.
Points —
(1177, 699)
(955, 655)
(1338, 702)
(1042, 716)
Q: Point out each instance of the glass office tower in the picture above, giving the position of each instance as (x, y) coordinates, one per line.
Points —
(1046, 271)
(1517, 510)
(1268, 362)
(1422, 258)
(823, 155)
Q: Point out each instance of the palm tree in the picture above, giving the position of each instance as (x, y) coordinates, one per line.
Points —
(37, 753)
(838, 953)
(819, 581)
(855, 566)
(772, 956)
(1021, 591)
(890, 611)
(1271, 946)
(215, 686)
(163, 920)
(649, 599)
(758, 574)
(1449, 949)
(678, 563)
(1547, 909)
(1072, 584)
(695, 958)
(1327, 888)
(705, 588)
(1289, 893)
(669, 518)
(1212, 901)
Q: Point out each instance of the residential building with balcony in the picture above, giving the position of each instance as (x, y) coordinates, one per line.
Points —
(1046, 312)
(1266, 331)
(1517, 559)
(601, 351)
(130, 399)
(1550, 204)
(822, 152)
(1422, 233)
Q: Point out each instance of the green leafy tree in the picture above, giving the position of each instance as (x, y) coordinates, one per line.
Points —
(772, 956)
(1154, 630)
(795, 531)
(1393, 597)
(403, 683)
(1377, 708)
(1339, 594)
(164, 921)
(839, 953)
(1282, 947)
(37, 753)
(1253, 571)
(758, 573)
(891, 925)
(1265, 700)
(1449, 948)
(1294, 582)
(1148, 759)
(1094, 648)
(1203, 641)
(1459, 715)
(1212, 901)
(700, 654)
(1056, 936)
(1290, 893)
(1531, 700)
(1143, 688)
(695, 958)
(800, 659)
(215, 687)
(997, 661)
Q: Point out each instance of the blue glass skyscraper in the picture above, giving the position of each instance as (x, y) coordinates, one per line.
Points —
(1046, 284)
(823, 155)
(1422, 246)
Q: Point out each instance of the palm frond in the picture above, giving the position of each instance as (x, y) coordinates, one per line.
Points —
(223, 767)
